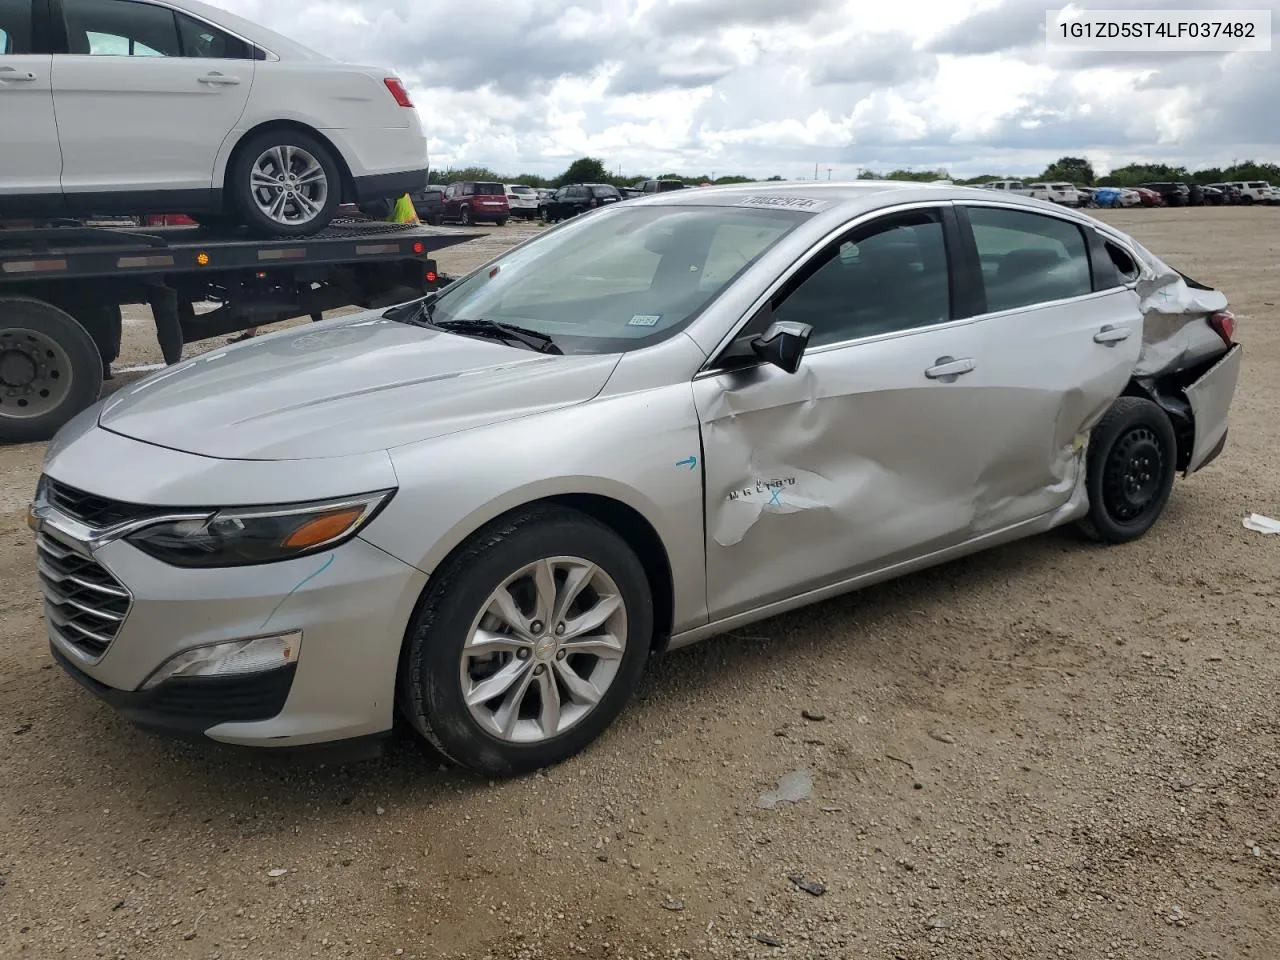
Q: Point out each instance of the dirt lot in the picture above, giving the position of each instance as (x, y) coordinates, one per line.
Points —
(1050, 750)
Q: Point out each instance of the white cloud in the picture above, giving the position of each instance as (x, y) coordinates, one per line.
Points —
(776, 86)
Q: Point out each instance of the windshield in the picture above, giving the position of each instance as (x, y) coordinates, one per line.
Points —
(618, 279)
(490, 190)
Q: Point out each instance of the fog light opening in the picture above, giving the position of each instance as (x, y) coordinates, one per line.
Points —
(231, 658)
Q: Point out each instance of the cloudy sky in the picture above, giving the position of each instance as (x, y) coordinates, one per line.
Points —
(764, 87)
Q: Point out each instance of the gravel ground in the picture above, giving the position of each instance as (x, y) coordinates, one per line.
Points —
(1048, 750)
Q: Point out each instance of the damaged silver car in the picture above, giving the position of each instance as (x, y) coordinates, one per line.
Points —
(486, 510)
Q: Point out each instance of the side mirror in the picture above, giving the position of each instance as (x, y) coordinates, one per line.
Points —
(783, 344)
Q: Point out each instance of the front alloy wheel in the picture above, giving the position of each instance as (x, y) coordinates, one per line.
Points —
(544, 650)
(528, 642)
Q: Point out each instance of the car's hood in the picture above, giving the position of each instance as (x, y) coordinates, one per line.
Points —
(343, 387)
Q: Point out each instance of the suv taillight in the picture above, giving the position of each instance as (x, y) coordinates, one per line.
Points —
(398, 91)
(1224, 325)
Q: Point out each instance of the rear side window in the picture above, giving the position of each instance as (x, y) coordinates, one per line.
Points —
(605, 191)
(1028, 258)
(15, 26)
(209, 43)
(490, 190)
(1124, 264)
(120, 28)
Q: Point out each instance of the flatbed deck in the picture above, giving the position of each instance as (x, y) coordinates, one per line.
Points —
(62, 285)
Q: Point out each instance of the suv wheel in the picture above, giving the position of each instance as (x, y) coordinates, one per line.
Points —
(466, 217)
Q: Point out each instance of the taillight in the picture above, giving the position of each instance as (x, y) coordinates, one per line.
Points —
(1224, 325)
(398, 91)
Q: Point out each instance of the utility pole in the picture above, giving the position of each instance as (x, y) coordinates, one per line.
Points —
(815, 171)
(828, 173)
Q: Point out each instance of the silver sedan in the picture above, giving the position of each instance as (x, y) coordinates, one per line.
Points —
(485, 511)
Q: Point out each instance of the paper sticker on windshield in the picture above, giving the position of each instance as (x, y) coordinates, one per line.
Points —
(644, 320)
(808, 204)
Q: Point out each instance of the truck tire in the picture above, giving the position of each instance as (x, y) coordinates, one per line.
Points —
(310, 172)
(50, 369)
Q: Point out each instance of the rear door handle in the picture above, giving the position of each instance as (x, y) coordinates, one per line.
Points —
(1110, 336)
(11, 75)
(220, 80)
(948, 369)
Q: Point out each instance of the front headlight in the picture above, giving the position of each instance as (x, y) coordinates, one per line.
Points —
(240, 536)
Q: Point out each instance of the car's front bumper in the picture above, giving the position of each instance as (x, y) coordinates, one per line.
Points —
(350, 606)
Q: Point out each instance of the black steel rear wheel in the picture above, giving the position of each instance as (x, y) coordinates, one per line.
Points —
(1132, 461)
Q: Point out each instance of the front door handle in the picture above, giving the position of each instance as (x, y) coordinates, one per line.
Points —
(1110, 336)
(220, 80)
(949, 369)
(11, 75)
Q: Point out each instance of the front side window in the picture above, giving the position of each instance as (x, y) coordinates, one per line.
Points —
(1029, 258)
(15, 27)
(621, 278)
(121, 28)
(886, 276)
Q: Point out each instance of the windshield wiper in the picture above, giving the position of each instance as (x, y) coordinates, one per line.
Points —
(496, 330)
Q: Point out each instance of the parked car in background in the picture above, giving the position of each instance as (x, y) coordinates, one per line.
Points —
(522, 200)
(146, 107)
(545, 193)
(428, 203)
(1230, 192)
(661, 186)
(471, 201)
(578, 198)
(1212, 196)
(1255, 191)
(486, 511)
(1149, 198)
(1172, 193)
(1086, 197)
(1008, 186)
(1063, 193)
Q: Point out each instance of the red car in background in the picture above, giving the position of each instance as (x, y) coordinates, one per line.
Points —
(1149, 197)
(469, 201)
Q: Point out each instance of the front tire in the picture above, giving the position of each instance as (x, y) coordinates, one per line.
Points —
(528, 644)
(285, 183)
(1132, 461)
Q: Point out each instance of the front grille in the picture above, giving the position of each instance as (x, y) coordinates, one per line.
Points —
(84, 603)
(88, 508)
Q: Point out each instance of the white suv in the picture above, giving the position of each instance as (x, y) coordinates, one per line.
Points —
(1064, 193)
(1255, 191)
(176, 106)
(522, 199)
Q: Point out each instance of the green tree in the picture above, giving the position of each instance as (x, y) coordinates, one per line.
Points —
(584, 170)
(1075, 170)
(451, 175)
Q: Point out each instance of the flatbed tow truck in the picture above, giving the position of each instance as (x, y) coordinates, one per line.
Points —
(62, 284)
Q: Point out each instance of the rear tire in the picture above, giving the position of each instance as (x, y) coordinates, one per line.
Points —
(466, 218)
(1132, 461)
(556, 700)
(323, 189)
(502, 222)
(50, 369)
